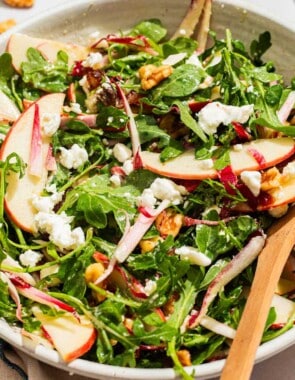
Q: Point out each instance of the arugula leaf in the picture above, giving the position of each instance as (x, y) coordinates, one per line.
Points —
(149, 131)
(189, 121)
(184, 81)
(95, 198)
(259, 47)
(44, 75)
(152, 28)
(179, 45)
(216, 240)
(111, 117)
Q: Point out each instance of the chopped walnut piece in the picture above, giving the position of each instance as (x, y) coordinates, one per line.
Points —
(271, 179)
(148, 245)
(184, 357)
(7, 24)
(169, 223)
(151, 75)
(20, 3)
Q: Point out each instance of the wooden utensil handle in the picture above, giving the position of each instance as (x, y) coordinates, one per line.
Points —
(270, 264)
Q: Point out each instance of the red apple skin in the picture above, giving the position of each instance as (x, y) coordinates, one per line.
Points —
(82, 350)
(70, 336)
(79, 351)
(187, 167)
(20, 190)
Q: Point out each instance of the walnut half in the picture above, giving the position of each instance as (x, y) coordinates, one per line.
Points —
(151, 75)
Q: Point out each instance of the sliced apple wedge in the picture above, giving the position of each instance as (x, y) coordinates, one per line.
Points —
(285, 286)
(19, 140)
(255, 155)
(49, 49)
(71, 337)
(8, 109)
(284, 308)
(18, 45)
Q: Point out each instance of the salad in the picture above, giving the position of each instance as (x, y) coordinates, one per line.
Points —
(139, 175)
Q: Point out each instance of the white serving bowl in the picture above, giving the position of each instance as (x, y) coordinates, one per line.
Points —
(74, 21)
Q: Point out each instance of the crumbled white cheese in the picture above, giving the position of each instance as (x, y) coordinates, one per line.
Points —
(59, 230)
(128, 167)
(74, 157)
(74, 107)
(165, 189)
(46, 203)
(289, 169)
(92, 60)
(115, 180)
(147, 199)
(207, 164)
(238, 147)
(121, 152)
(216, 113)
(30, 258)
(50, 123)
(193, 255)
(150, 287)
(252, 179)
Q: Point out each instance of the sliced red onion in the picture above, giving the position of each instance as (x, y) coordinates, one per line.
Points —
(284, 112)
(35, 163)
(134, 135)
(37, 295)
(14, 295)
(50, 162)
(132, 237)
(129, 40)
(240, 262)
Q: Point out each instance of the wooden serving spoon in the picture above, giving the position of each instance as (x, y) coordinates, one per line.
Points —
(270, 264)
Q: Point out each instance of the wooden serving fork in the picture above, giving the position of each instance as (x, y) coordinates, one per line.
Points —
(270, 264)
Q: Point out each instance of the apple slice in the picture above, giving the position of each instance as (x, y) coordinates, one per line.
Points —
(49, 50)
(20, 190)
(18, 45)
(285, 286)
(185, 166)
(284, 194)
(284, 308)
(8, 109)
(71, 337)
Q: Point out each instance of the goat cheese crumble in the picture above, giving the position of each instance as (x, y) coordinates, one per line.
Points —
(30, 258)
(74, 157)
(216, 113)
(50, 123)
(252, 179)
(121, 152)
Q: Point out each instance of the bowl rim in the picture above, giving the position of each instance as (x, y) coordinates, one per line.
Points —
(85, 367)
